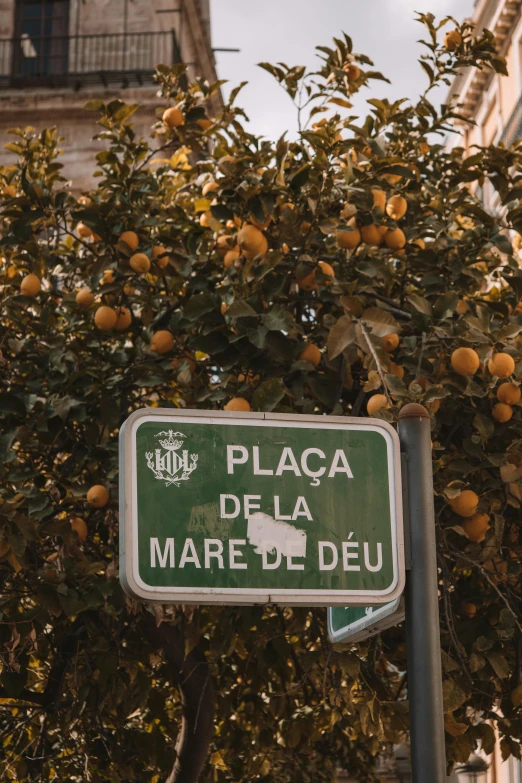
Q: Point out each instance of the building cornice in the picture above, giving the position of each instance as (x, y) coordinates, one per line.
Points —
(471, 83)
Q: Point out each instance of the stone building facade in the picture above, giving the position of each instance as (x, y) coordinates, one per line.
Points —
(55, 55)
(492, 101)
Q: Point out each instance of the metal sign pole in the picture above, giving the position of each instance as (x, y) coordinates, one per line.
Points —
(428, 757)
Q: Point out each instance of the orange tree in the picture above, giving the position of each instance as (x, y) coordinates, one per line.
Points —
(346, 272)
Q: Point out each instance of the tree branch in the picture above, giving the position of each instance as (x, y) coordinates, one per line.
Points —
(375, 359)
(191, 674)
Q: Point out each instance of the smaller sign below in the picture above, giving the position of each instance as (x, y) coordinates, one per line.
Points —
(357, 623)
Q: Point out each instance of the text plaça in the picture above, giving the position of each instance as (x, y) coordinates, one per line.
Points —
(213, 551)
(309, 463)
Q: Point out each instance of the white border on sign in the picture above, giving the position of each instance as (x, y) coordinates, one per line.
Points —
(385, 616)
(130, 577)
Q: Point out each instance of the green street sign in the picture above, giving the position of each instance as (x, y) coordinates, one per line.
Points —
(357, 623)
(252, 508)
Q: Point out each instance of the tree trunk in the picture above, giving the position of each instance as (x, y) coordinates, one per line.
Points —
(192, 676)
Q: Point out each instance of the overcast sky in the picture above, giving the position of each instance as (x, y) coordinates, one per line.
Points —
(289, 31)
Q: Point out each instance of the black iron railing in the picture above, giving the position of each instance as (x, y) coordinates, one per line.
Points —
(513, 130)
(74, 60)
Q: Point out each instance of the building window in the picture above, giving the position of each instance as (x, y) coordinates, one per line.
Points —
(41, 32)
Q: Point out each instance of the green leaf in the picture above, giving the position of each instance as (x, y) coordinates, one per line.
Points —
(498, 664)
(301, 176)
(279, 318)
(14, 683)
(12, 403)
(340, 335)
(453, 695)
(241, 309)
(483, 425)
(461, 748)
(503, 244)
(445, 305)
(221, 212)
(199, 305)
(381, 322)
(516, 696)
(421, 304)
(94, 105)
(267, 396)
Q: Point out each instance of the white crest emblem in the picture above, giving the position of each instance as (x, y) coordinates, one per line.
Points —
(170, 466)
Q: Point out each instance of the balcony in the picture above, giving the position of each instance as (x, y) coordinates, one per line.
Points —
(74, 61)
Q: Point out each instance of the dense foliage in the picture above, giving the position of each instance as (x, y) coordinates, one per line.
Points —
(92, 682)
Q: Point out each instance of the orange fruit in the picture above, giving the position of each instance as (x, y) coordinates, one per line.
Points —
(424, 147)
(502, 412)
(160, 256)
(84, 231)
(462, 307)
(508, 393)
(502, 365)
(397, 370)
(209, 187)
(465, 361)
(396, 207)
(395, 239)
(420, 243)
(348, 240)
(286, 206)
(390, 342)
(80, 528)
(371, 235)
(231, 257)
(393, 179)
(452, 40)
(469, 609)
(98, 496)
(105, 318)
(84, 297)
(250, 378)
(128, 289)
(327, 269)
(311, 353)
(205, 218)
(263, 225)
(252, 241)
(30, 285)
(307, 283)
(352, 71)
(140, 263)
(237, 404)
(108, 277)
(123, 319)
(348, 211)
(84, 201)
(173, 117)
(475, 527)
(10, 190)
(421, 381)
(204, 123)
(130, 239)
(465, 504)
(225, 243)
(379, 198)
(376, 402)
(162, 341)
